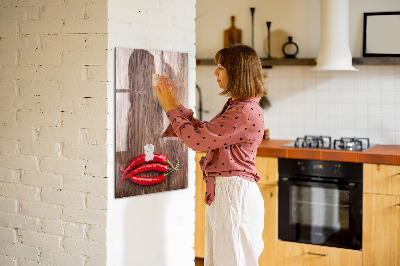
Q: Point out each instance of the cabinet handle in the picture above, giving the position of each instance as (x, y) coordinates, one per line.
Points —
(318, 254)
(398, 204)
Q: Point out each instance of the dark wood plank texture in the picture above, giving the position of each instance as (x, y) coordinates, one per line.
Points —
(140, 119)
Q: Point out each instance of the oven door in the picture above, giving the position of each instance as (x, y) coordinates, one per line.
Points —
(320, 212)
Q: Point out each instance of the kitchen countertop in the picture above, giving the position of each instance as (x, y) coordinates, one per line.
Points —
(379, 154)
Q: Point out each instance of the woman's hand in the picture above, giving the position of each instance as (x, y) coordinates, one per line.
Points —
(164, 94)
(174, 89)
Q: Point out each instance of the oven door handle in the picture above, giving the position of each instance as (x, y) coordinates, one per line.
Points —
(329, 184)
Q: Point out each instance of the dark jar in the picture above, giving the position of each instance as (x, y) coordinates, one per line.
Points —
(290, 49)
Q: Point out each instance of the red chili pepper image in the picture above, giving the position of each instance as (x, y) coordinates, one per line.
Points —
(158, 167)
(160, 163)
(158, 158)
(147, 180)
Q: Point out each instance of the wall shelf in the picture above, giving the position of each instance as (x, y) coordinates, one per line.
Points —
(376, 61)
(312, 61)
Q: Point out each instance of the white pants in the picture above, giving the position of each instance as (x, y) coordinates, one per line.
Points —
(234, 223)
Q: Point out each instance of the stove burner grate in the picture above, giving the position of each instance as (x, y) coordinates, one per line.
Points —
(321, 142)
(324, 142)
(351, 144)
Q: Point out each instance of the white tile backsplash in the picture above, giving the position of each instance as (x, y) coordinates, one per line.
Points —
(374, 83)
(374, 110)
(388, 83)
(374, 97)
(347, 110)
(374, 123)
(361, 110)
(388, 97)
(387, 71)
(364, 103)
(348, 123)
(348, 96)
(387, 124)
(322, 95)
(322, 121)
(397, 72)
(388, 110)
(360, 97)
(361, 125)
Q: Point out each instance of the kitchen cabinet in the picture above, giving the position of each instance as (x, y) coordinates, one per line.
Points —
(267, 168)
(270, 233)
(381, 215)
(290, 253)
(381, 179)
(200, 207)
(381, 221)
(381, 230)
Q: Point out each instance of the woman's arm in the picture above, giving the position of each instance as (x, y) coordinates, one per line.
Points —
(228, 129)
(188, 113)
(166, 89)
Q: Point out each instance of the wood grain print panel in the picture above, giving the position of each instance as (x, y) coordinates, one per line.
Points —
(140, 120)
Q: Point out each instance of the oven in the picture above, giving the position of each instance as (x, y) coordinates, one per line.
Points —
(320, 202)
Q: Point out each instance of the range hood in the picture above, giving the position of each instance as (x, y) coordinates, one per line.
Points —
(334, 51)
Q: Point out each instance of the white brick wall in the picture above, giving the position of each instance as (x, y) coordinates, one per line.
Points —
(61, 258)
(53, 110)
(75, 230)
(8, 234)
(54, 141)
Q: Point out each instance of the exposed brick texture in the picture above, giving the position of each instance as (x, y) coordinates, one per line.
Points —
(53, 109)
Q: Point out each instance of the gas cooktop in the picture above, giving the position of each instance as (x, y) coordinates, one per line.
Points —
(325, 142)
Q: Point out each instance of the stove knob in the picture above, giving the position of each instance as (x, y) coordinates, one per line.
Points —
(336, 169)
(301, 166)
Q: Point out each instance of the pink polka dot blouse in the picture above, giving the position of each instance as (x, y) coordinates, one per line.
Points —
(231, 139)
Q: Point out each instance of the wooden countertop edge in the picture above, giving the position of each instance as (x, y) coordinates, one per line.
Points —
(379, 154)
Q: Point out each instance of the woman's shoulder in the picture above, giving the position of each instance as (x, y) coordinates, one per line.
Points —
(247, 105)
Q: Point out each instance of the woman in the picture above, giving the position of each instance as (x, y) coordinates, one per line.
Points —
(235, 207)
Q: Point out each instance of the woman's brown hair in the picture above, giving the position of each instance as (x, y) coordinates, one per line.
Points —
(245, 78)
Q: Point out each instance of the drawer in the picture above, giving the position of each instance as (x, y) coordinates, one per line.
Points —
(293, 254)
(267, 168)
(381, 179)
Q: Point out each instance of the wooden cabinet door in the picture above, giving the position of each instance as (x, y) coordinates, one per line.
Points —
(297, 254)
(381, 230)
(270, 233)
(267, 168)
(200, 207)
(381, 179)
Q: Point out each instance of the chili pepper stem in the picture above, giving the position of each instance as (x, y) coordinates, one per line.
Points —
(169, 162)
(168, 172)
(172, 166)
